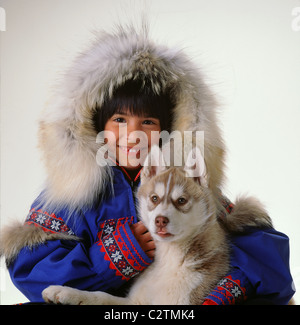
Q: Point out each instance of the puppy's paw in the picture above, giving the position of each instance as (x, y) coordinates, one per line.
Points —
(63, 296)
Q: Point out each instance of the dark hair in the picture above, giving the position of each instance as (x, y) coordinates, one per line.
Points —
(138, 99)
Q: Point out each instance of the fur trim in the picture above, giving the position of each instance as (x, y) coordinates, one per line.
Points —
(247, 212)
(66, 133)
(17, 235)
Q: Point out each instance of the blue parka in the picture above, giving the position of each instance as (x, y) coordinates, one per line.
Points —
(108, 255)
(102, 253)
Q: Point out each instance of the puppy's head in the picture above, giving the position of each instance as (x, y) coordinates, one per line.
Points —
(172, 204)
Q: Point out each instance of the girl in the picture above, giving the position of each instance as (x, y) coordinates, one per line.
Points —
(83, 231)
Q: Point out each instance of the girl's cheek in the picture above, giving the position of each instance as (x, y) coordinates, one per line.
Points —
(110, 141)
(153, 138)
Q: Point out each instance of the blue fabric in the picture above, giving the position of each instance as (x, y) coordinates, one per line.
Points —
(109, 255)
(263, 257)
(259, 269)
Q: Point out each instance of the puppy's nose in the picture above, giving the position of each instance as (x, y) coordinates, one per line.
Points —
(161, 221)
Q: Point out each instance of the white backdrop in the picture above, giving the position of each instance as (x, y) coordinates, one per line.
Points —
(250, 51)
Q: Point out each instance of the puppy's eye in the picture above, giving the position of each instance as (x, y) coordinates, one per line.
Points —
(181, 201)
(154, 198)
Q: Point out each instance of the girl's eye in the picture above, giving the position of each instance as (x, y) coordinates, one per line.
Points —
(181, 201)
(148, 122)
(119, 120)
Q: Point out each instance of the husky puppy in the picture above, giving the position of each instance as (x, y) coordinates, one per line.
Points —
(192, 252)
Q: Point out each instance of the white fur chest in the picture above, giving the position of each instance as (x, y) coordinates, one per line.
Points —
(168, 281)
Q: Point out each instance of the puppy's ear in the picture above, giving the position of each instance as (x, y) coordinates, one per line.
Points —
(153, 164)
(195, 167)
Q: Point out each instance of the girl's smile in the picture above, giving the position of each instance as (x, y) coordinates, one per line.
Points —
(131, 150)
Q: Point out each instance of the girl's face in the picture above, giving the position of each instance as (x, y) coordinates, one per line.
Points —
(130, 137)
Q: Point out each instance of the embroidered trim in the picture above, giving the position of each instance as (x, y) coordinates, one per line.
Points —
(49, 222)
(108, 226)
(228, 292)
(209, 302)
(114, 240)
(132, 245)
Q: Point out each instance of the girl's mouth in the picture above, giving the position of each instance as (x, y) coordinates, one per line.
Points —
(130, 150)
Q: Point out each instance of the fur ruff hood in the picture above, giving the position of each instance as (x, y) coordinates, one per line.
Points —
(67, 136)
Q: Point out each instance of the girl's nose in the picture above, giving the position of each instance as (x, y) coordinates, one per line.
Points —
(133, 126)
(135, 134)
(131, 132)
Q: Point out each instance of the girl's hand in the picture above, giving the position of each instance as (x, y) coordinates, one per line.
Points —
(144, 238)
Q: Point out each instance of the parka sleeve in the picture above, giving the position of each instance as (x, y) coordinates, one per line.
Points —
(106, 264)
(259, 269)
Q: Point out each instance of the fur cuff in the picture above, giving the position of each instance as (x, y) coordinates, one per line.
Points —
(16, 236)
